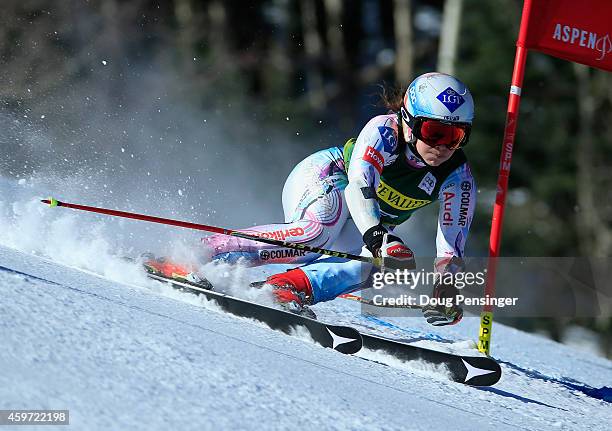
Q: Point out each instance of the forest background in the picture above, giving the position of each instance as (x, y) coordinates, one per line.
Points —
(258, 85)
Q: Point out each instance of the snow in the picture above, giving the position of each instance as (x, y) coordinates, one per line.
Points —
(584, 339)
(84, 330)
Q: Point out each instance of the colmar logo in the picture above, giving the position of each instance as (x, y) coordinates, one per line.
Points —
(374, 158)
(584, 38)
(451, 99)
(466, 196)
(280, 254)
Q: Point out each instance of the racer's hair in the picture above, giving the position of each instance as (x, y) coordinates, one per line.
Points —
(391, 97)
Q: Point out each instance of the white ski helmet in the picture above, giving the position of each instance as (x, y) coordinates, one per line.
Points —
(439, 96)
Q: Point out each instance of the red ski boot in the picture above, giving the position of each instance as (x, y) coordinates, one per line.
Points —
(168, 269)
(292, 290)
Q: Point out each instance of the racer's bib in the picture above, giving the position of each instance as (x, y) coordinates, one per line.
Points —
(404, 189)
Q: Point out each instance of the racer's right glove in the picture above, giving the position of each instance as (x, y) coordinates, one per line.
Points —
(394, 253)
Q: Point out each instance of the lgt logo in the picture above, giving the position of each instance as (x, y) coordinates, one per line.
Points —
(451, 99)
(388, 136)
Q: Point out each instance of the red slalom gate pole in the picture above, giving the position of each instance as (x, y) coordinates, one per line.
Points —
(486, 317)
(214, 229)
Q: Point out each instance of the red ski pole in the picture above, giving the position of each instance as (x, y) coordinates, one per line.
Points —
(214, 229)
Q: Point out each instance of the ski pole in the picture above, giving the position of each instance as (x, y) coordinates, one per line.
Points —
(214, 229)
(371, 302)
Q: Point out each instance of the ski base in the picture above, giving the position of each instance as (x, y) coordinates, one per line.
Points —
(341, 338)
(470, 370)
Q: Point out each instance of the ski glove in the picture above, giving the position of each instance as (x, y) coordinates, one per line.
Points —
(447, 312)
(373, 239)
(394, 253)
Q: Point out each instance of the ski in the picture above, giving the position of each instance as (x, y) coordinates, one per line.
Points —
(470, 370)
(341, 338)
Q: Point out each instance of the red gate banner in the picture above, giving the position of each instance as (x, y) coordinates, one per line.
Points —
(579, 31)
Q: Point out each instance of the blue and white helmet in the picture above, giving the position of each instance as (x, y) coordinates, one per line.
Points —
(439, 96)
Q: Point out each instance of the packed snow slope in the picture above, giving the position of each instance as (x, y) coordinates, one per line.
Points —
(133, 354)
(84, 330)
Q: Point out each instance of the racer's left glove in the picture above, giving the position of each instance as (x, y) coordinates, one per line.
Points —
(443, 314)
(447, 312)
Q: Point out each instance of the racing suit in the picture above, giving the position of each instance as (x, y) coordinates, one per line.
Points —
(335, 195)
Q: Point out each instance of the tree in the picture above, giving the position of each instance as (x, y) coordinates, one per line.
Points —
(449, 36)
(313, 47)
(595, 232)
(404, 51)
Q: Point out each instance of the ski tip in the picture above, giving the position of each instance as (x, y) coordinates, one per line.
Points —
(52, 202)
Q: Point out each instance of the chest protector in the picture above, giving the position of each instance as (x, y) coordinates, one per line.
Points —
(403, 189)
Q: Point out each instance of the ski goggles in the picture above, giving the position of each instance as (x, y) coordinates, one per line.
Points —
(437, 132)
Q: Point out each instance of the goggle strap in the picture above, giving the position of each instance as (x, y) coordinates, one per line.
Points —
(407, 117)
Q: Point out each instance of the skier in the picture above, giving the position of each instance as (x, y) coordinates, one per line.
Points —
(351, 198)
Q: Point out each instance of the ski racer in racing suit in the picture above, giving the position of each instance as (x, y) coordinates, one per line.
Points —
(351, 198)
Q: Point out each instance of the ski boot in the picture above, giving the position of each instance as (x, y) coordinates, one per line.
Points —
(292, 291)
(165, 268)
